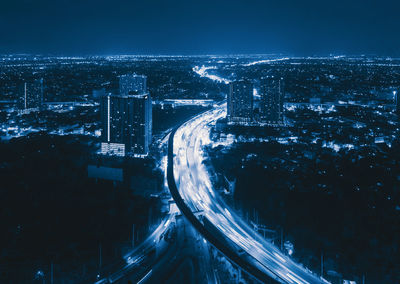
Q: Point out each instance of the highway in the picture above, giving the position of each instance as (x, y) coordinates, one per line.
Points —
(160, 257)
(140, 260)
(190, 262)
(138, 264)
(219, 224)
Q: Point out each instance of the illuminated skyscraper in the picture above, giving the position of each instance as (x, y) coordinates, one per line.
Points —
(397, 101)
(127, 118)
(127, 124)
(132, 83)
(240, 102)
(31, 95)
(272, 99)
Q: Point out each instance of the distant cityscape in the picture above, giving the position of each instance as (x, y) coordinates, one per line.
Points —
(243, 109)
(223, 169)
(126, 116)
(199, 142)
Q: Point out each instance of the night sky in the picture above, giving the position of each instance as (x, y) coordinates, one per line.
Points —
(308, 27)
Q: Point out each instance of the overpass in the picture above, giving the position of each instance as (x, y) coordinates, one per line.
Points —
(192, 191)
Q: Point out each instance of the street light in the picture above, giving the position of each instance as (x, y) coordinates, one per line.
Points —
(39, 274)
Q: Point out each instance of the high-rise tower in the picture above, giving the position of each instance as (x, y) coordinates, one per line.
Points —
(31, 96)
(240, 102)
(272, 99)
(127, 119)
(132, 84)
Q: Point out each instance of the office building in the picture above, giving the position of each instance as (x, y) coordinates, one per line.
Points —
(127, 124)
(272, 99)
(31, 97)
(240, 102)
(132, 84)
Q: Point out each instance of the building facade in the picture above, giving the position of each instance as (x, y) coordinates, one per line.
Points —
(127, 118)
(31, 97)
(127, 124)
(240, 102)
(272, 100)
(132, 84)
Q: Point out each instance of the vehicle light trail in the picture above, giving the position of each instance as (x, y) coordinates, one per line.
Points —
(195, 188)
(139, 254)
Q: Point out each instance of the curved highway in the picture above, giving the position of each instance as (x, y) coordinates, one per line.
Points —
(192, 191)
(134, 260)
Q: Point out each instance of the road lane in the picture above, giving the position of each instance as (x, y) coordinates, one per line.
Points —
(194, 184)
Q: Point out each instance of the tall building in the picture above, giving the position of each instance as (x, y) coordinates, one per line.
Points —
(397, 101)
(132, 84)
(31, 94)
(272, 99)
(240, 102)
(127, 124)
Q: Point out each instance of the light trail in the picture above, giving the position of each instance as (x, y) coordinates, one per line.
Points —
(265, 61)
(202, 72)
(139, 254)
(145, 277)
(195, 187)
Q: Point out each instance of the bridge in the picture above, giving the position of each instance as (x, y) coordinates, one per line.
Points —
(191, 188)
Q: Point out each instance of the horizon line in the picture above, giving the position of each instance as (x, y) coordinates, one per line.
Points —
(330, 55)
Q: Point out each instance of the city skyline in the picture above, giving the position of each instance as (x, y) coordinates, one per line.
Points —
(311, 138)
(205, 141)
